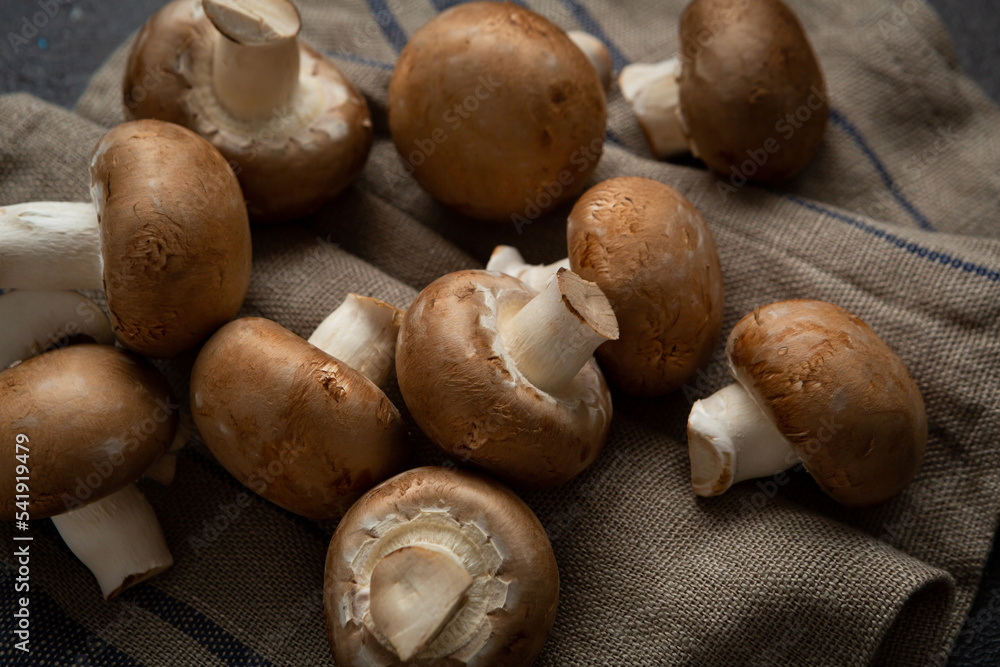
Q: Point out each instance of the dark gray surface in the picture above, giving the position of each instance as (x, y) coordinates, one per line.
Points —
(57, 44)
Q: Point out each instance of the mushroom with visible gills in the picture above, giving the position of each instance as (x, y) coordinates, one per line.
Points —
(166, 238)
(652, 254)
(438, 566)
(814, 385)
(295, 129)
(746, 94)
(504, 378)
(303, 424)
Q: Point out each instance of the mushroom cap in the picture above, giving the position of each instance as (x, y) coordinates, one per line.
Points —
(174, 236)
(291, 422)
(837, 393)
(652, 254)
(497, 111)
(745, 67)
(97, 418)
(288, 165)
(468, 396)
(495, 523)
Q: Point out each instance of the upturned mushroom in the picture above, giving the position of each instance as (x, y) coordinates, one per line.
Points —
(496, 111)
(78, 425)
(814, 385)
(166, 238)
(303, 424)
(746, 94)
(503, 378)
(650, 251)
(438, 566)
(293, 127)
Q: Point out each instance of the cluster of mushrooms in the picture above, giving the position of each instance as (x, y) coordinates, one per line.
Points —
(507, 370)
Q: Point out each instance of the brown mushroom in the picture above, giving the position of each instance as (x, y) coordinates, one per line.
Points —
(496, 111)
(78, 425)
(438, 566)
(169, 241)
(303, 424)
(814, 385)
(650, 251)
(746, 94)
(294, 128)
(503, 378)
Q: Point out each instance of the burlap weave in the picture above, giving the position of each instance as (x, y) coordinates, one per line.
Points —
(897, 219)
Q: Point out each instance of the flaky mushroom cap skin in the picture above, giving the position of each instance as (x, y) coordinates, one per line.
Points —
(652, 254)
(291, 422)
(97, 418)
(837, 393)
(174, 236)
(736, 90)
(519, 629)
(287, 169)
(541, 124)
(467, 396)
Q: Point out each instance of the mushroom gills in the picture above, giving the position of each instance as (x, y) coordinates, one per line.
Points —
(48, 319)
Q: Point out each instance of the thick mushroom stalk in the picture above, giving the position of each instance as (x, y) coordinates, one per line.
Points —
(596, 53)
(118, 538)
(361, 332)
(255, 61)
(730, 440)
(654, 95)
(557, 332)
(50, 246)
(506, 259)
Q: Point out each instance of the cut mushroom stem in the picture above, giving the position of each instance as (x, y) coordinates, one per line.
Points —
(47, 320)
(118, 538)
(556, 333)
(596, 53)
(652, 92)
(506, 259)
(50, 246)
(415, 592)
(361, 332)
(255, 67)
(730, 439)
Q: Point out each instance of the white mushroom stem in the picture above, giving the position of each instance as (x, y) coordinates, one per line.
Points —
(361, 332)
(37, 321)
(118, 538)
(730, 439)
(415, 592)
(506, 259)
(652, 92)
(164, 468)
(50, 246)
(556, 333)
(255, 60)
(596, 53)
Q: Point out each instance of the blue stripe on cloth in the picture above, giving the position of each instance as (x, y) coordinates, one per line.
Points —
(589, 24)
(387, 22)
(901, 243)
(350, 57)
(841, 121)
(442, 5)
(195, 625)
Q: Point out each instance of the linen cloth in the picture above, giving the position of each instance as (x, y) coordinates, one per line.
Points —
(896, 220)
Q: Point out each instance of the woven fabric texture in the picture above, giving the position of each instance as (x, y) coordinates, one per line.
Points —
(897, 219)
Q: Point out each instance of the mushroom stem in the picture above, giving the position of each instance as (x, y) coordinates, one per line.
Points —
(506, 259)
(255, 60)
(361, 332)
(118, 538)
(556, 333)
(596, 53)
(50, 246)
(652, 92)
(730, 439)
(415, 591)
(46, 320)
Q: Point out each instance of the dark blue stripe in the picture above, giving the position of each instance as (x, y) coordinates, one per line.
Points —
(195, 625)
(442, 5)
(589, 24)
(56, 639)
(839, 120)
(387, 22)
(901, 243)
(350, 57)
